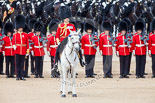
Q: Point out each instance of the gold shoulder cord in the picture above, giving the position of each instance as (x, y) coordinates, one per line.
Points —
(64, 27)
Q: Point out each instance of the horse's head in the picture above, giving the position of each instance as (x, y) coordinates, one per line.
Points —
(74, 39)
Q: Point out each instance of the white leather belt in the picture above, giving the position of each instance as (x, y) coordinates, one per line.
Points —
(88, 45)
(107, 45)
(38, 46)
(8, 47)
(53, 46)
(122, 45)
(140, 45)
(153, 44)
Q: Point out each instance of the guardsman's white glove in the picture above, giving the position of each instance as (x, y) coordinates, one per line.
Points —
(3, 53)
(101, 52)
(14, 47)
(149, 53)
(134, 52)
(48, 52)
(117, 53)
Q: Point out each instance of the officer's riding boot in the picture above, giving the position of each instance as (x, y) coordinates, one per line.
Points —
(82, 63)
(55, 73)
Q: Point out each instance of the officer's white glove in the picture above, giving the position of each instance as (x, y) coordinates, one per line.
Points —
(129, 46)
(117, 53)
(32, 53)
(146, 44)
(48, 52)
(14, 47)
(134, 52)
(149, 53)
(27, 55)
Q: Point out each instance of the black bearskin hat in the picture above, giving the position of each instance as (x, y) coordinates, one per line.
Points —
(123, 26)
(26, 29)
(107, 26)
(8, 27)
(1, 24)
(152, 26)
(38, 26)
(89, 24)
(20, 21)
(31, 23)
(53, 25)
(64, 12)
(139, 25)
(128, 21)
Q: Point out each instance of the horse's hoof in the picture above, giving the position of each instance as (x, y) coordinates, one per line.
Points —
(63, 96)
(74, 95)
(70, 92)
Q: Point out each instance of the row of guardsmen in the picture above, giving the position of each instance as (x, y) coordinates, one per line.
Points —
(22, 44)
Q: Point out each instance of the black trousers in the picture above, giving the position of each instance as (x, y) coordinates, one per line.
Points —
(32, 63)
(10, 62)
(129, 62)
(107, 64)
(1, 62)
(124, 65)
(26, 65)
(140, 64)
(19, 65)
(52, 61)
(39, 65)
(90, 60)
(153, 64)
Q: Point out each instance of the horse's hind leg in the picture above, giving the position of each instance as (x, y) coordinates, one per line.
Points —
(64, 74)
(69, 83)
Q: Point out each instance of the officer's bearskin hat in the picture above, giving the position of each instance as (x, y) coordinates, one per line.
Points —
(20, 21)
(89, 24)
(31, 23)
(64, 12)
(8, 27)
(107, 26)
(123, 26)
(139, 25)
(53, 25)
(38, 26)
(1, 24)
(26, 29)
(128, 21)
(152, 26)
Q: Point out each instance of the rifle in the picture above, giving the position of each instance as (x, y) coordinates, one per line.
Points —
(94, 39)
(112, 39)
(145, 37)
(43, 39)
(128, 36)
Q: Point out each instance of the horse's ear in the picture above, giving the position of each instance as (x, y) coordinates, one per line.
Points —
(79, 31)
(71, 32)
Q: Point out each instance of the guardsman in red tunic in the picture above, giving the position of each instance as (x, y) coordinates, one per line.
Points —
(52, 43)
(105, 46)
(151, 47)
(89, 48)
(30, 35)
(139, 49)
(130, 35)
(8, 49)
(1, 53)
(63, 31)
(20, 43)
(122, 49)
(38, 50)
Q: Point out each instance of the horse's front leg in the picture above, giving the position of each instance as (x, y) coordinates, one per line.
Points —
(64, 74)
(74, 76)
(69, 83)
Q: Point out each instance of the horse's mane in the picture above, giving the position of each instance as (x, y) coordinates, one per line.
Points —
(63, 44)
